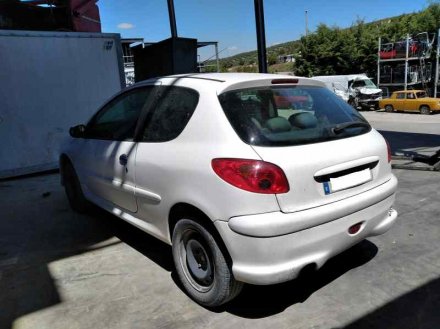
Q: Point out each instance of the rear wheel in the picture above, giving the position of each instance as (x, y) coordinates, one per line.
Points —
(73, 190)
(201, 265)
(389, 108)
(425, 110)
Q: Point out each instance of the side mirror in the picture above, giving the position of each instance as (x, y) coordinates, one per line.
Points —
(78, 131)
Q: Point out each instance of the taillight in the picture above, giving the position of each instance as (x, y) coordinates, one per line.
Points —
(389, 151)
(252, 175)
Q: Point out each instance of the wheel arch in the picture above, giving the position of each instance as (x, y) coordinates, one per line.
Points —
(426, 105)
(182, 210)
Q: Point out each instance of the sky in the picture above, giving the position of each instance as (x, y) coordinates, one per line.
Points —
(232, 22)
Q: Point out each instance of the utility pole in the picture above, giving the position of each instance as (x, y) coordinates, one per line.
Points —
(261, 36)
(406, 62)
(216, 57)
(437, 56)
(306, 21)
(378, 62)
(172, 16)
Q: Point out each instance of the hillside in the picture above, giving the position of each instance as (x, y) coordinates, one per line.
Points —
(332, 50)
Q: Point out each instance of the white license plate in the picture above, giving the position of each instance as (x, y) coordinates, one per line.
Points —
(347, 181)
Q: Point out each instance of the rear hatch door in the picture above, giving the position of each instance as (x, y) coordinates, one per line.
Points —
(327, 172)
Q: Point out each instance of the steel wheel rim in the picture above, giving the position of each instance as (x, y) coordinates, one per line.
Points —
(196, 261)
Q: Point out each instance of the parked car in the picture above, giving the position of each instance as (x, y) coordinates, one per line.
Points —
(387, 51)
(410, 100)
(418, 45)
(206, 163)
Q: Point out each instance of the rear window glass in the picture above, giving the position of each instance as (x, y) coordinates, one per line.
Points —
(290, 115)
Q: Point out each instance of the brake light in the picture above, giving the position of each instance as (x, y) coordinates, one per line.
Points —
(388, 150)
(252, 175)
(283, 81)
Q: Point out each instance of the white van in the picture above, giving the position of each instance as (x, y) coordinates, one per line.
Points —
(356, 89)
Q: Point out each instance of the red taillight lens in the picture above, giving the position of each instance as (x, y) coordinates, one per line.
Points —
(355, 228)
(252, 175)
(389, 151)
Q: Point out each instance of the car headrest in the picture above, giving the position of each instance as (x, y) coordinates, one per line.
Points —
(278, 124)
(303, 120)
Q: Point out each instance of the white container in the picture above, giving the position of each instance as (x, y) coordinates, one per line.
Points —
(49, 82)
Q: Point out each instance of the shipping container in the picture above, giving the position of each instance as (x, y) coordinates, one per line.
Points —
(50, 81)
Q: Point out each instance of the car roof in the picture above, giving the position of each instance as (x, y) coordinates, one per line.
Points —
(226, 81)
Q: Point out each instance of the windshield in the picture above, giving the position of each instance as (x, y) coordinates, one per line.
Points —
(365, 83)
(290, 115)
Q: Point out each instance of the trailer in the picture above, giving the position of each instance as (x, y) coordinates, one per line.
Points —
(49, 82)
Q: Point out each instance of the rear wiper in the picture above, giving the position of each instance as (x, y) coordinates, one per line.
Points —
(340, 127)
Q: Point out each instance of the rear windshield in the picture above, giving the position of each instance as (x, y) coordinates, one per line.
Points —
(290, 115)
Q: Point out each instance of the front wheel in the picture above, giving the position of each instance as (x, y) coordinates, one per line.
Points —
(73, 190)
(353, 103)
(201, 265)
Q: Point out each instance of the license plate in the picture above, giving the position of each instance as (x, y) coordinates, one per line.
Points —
(347, 181)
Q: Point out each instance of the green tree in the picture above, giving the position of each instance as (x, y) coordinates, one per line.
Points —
(272, 59)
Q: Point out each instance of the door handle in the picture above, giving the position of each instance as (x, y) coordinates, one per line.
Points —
(123, 159)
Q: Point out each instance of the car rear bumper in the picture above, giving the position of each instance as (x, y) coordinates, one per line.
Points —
(275, 259)
(279, 223)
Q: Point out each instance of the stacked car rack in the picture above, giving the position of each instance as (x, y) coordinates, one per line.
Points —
(406, 64)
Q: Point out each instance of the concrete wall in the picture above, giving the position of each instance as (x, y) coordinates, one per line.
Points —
(50, 81)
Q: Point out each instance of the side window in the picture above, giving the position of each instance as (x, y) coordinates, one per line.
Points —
(410, 96)
(358, 84)
(171, 114)
(400, 96)
(117, 120)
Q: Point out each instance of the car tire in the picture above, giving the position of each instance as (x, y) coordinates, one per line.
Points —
(425, 110)
(352, 103)
(389, 108)
(73, 190)
(202, 266)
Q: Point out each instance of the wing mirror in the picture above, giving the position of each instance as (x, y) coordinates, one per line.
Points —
(78, 131)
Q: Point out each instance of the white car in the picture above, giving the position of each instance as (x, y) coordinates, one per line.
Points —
(245, 192)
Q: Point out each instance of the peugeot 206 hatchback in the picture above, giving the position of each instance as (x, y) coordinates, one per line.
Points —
(245, 190)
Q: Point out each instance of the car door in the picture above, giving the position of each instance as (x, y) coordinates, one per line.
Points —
(158, 150)
(411, 101)
(399, 102)
(109, 149)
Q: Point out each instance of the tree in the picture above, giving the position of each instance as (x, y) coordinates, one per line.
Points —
(331, 50)
(272, 59)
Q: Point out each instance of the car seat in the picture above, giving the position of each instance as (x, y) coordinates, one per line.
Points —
(303, 120)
